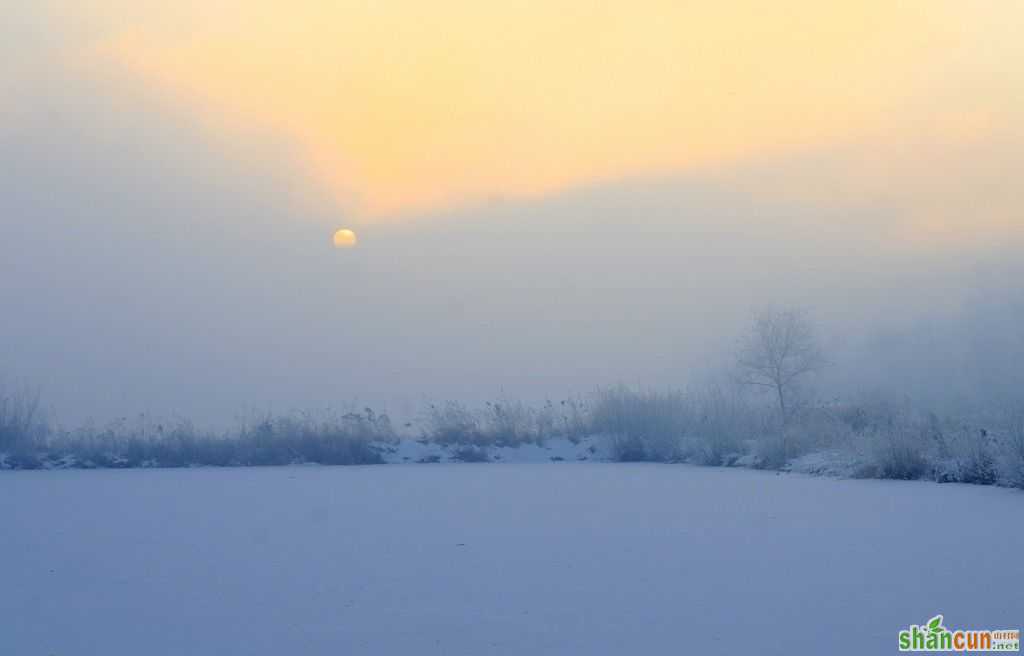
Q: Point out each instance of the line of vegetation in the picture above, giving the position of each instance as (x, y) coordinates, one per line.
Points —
(723, 426)
(763, 416)
(353, 438)
(715, 426)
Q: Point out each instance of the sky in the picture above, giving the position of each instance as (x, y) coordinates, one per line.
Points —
(548, 197)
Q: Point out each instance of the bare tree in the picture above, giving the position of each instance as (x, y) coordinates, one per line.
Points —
(780, 349)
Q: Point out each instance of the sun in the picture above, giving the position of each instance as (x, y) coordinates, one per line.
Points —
(345, 238)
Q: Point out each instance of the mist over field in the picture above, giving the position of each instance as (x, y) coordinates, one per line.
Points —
(153, 265)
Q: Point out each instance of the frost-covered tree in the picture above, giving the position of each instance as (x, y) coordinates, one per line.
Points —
(780, 348)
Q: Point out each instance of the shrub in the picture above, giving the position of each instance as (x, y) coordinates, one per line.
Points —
(897, 453)
(627, 448)
(509, 423)
(963, 455)
(724, 422)
(770, 451)
(22, 425)
(1009, 448)
(813, 430)
(570, 419)
(453, 423)
(643, 425)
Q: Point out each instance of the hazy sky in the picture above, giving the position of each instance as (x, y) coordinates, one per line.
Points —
(548, 196)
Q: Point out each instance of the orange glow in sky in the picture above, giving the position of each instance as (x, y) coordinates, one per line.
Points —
(403, 107)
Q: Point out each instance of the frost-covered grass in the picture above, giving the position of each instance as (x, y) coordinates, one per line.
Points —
(716, 426)
(495, 559)
(862, 440)
(352, 438)
(505, 422)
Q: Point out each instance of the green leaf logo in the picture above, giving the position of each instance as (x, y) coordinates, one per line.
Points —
(935, 625)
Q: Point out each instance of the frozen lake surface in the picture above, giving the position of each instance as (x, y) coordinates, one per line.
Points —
(495, 559)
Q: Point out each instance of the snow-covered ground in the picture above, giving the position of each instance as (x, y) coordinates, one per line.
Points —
(552, 558)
